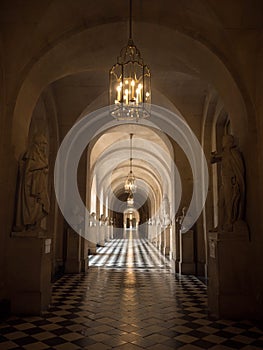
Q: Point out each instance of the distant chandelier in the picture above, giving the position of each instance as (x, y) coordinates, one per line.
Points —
(130, 83)
(130, 186)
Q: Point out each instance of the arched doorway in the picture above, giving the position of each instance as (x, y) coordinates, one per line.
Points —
(131, 219)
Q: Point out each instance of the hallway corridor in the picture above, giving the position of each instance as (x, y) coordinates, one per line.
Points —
(128, 300)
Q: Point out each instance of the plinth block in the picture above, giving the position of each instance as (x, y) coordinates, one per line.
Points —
(187, 263)
(229, 287)
(73, 261)
(29, 272)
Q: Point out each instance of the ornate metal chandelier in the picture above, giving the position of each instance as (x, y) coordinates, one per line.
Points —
(130, 83)
(130, 186)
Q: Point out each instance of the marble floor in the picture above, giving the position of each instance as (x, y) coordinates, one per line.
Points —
(128, 300)
(130, 253)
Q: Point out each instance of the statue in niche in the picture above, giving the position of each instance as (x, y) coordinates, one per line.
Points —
(232, 191)
(77, 218)
(167, 220)
(102, 220)
(92, 219)
(180, 218)
(166, 211)
(32, 191)
(107, 221)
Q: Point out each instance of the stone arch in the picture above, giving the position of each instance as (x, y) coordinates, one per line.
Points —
(66, 58)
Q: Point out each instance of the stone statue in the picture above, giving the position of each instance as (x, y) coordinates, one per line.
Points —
(102, 220)
(180, 219)
(166, 205)
(92, 219)
(107, 221)
(166, 211)
(232, 192)
(32, 191)
(77, 219)
(167, 220)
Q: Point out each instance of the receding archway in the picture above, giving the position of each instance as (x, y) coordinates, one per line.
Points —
(131, 219)
(152, 164)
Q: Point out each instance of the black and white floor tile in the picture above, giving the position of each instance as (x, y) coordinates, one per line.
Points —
(129, 253)
(124, 306)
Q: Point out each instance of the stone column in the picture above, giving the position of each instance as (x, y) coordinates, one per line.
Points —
(229, 286)
(29, 272)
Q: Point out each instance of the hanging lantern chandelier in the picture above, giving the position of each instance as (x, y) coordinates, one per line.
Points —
(130, 186)
(130, 84)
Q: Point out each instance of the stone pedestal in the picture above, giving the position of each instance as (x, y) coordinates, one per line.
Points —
(167, 240)
(111, 231)
(84, 254)
(29, 265)
(107, 233)
(158, 236)
(229, 292)
(92, 237)
(150, 233)
(153, 230)
(73, 261)
(186, 263)
(173, 266)
(102, 235)
(162, 240)
(159, 241)
(176, 255)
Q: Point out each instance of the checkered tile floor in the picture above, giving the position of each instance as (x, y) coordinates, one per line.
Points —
(129, 253)
(129, 309)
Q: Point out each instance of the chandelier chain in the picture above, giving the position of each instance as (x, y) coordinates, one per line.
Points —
(131, 135)
(130, 23)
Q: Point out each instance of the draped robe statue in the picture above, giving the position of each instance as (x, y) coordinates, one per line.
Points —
(32, 192)
(232, 191)
(92, 219)
(166, 211)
